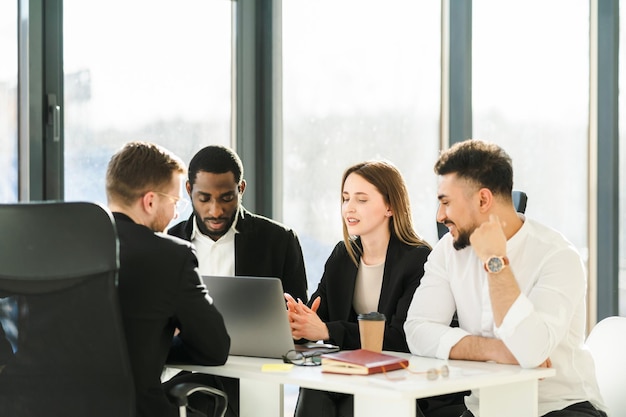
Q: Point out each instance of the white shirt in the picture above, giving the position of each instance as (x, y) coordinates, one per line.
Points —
(369, 281)
(548, 319)
(215, 257)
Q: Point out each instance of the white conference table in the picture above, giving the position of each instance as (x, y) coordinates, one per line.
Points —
(504, 389)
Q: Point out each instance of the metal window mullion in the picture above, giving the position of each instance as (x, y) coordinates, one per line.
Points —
(257, 110)
(457, 71)
(40, 72)
(604, 156)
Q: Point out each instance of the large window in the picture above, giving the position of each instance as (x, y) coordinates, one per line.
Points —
(361, 81)
(8, 101)
(150, 70)
(531, 95)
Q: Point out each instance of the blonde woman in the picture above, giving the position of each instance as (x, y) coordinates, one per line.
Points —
(376, 267)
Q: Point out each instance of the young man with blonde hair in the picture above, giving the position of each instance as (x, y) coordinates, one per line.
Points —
(161, 293)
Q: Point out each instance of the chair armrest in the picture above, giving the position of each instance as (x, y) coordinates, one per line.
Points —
(180, 392)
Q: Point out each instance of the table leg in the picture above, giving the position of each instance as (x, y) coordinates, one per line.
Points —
(512, 400)
(371, 406)
(260, 398)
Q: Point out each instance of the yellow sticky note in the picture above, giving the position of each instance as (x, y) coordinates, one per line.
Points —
(276, 367)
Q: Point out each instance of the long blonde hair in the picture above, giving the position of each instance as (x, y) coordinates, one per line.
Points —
(389, 182)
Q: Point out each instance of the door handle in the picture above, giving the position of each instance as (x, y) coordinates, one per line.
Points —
(54, 117)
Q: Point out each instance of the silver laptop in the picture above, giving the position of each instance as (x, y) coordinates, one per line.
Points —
(255, 316)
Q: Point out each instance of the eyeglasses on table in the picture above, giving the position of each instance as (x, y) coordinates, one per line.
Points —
(297, 358)
(431, 374)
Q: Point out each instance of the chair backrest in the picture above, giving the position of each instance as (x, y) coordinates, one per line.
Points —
(62, 346)
(519, 201)
(607, 342)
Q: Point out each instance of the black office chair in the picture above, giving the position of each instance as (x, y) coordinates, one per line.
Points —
(519, 201)
(62, 346)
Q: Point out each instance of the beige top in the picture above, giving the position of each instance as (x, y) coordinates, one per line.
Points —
(369, 281)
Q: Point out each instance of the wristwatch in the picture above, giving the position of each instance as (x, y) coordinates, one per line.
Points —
(495, 264)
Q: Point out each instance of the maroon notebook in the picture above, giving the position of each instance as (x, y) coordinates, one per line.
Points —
(361, 362)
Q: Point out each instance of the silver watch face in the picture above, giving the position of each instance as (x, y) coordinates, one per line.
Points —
(495, 264)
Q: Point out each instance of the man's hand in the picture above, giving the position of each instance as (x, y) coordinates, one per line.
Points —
(488, 239)
(546, 364)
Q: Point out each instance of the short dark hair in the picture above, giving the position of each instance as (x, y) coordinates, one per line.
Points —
(216, 159)
(138, 168)
(485, 164)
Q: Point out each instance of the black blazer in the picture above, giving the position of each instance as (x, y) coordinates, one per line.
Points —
(6, 351)
(160, 290)
(404, 268)
(263, 248)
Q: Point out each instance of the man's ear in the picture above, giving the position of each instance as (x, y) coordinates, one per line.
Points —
(242, 187)
(147, 202)
(188, 188)
(485, 199)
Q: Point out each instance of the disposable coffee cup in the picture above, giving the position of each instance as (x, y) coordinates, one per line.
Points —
(372, 330)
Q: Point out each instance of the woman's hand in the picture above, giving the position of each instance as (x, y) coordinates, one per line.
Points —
(304, 321)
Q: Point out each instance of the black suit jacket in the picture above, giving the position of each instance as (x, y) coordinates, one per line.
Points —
(404, 268)
(263, 248)
(160, 290)
(6, 351)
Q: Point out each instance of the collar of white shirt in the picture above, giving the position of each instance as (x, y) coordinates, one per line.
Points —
(215, 257)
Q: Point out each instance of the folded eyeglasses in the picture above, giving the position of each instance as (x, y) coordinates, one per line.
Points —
(431, 374)
(298, 358)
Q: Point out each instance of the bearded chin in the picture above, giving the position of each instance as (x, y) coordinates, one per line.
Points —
(462, 241)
